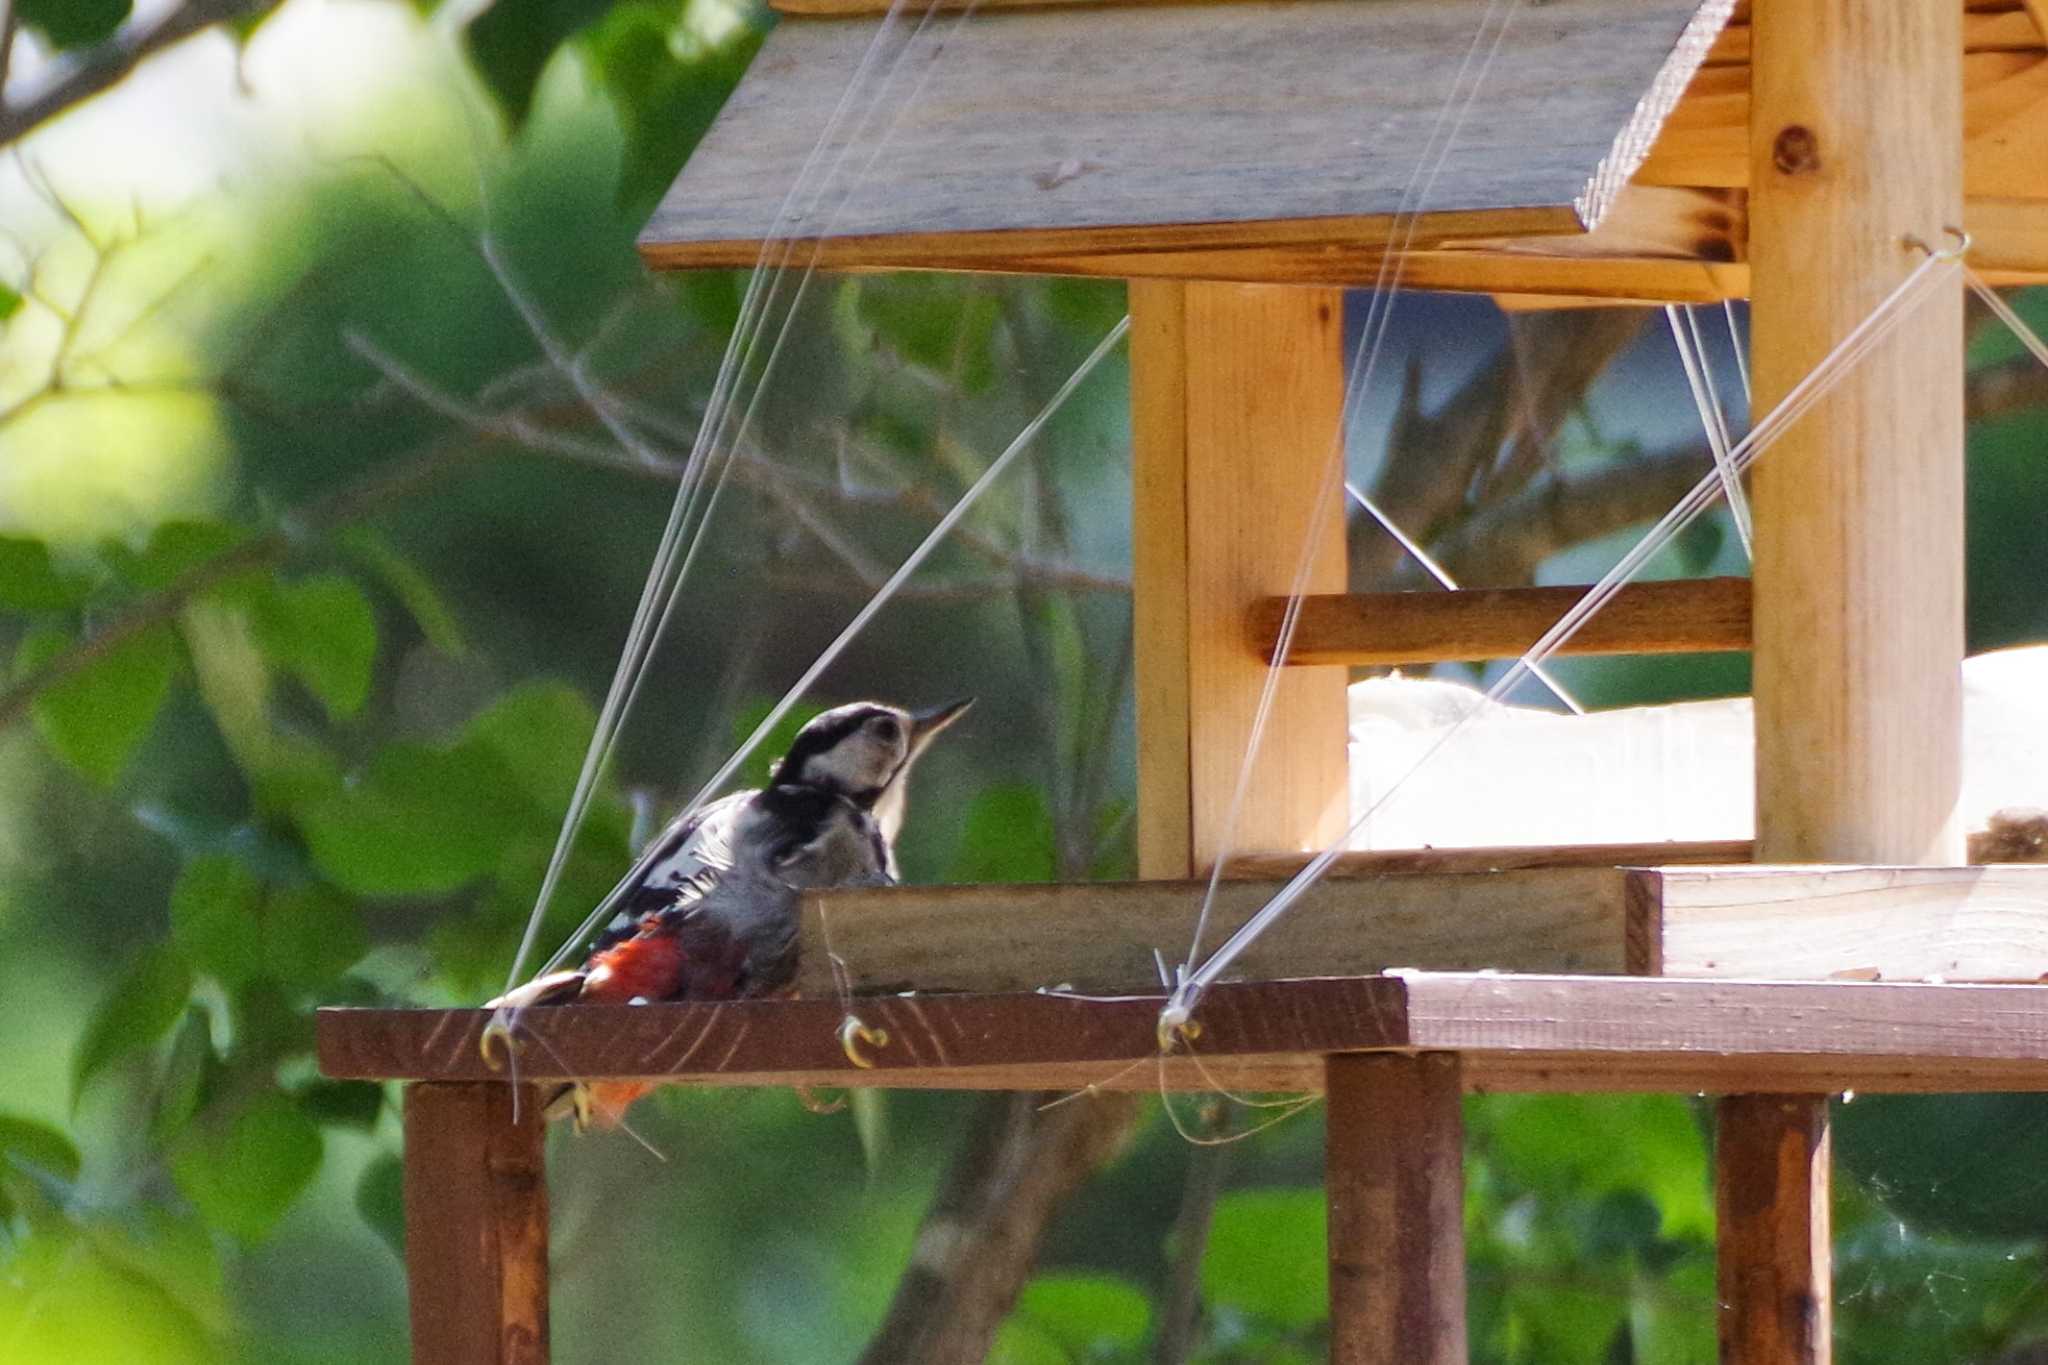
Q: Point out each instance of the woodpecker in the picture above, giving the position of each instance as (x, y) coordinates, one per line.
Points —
(710, 910)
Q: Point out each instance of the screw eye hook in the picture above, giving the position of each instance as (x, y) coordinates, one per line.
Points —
(853, 1034)
(497, 1044)
(1958, 247)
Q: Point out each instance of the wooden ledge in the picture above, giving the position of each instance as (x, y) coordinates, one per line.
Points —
(1569, 1033)
(1685, 615)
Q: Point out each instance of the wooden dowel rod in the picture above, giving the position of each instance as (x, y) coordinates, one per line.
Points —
(1691, 615)
(476, 1224)
(1395, 1175)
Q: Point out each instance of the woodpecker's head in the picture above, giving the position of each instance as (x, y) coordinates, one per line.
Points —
(863, 751)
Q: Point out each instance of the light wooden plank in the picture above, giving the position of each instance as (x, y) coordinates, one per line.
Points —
(1101, 938)
(1036, 133)
(1680, 616)
(476, 1224)
(1569, 1033)
(1394, 1168)
(2006, 30)
(1889, 923)
(1159, 576)
(2005, 94)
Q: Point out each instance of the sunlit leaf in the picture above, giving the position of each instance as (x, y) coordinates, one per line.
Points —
(73, 23)
(10, 302)
(323, 632)
(311, 935)
(65, 1298)
(29, 580)
(215, 909)
(1020, 1341)
(1008, 838)
(420, 821)
(1569, 1147)
(95, 718)
(1266, 1256)
(143, 1005)
(539, 732)
(1088, 1314)
(243, 1176)
(380, 1199)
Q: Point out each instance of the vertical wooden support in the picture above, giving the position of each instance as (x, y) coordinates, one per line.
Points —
(476, 1225)
(1396, 1175)
(1237, 398)
(1237, 394)
(1856, 143)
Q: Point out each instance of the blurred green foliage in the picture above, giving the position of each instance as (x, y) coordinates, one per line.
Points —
(312, 745)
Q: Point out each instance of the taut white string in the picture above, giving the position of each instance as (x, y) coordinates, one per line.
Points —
(1692, 358)
(1888, 313)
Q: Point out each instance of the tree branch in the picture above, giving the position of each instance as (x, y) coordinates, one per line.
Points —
(980, 1238)
(81, 77)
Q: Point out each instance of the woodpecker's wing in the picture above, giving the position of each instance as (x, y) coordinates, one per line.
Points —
(686, 858)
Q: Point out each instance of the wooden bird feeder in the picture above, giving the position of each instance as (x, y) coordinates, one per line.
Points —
(1240, 161)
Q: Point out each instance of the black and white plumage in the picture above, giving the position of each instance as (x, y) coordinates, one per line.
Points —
(710, 911)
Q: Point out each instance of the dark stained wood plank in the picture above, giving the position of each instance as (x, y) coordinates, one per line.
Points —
(1689, 615)
(1516, 1032)
(476, 1224)
(1037, 132)
(1394, 1172)
(1891, 923)
(1771, 1212)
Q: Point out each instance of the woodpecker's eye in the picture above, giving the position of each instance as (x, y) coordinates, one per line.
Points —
(885, 729)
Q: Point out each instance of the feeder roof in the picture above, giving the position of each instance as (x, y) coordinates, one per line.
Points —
(1037, 138)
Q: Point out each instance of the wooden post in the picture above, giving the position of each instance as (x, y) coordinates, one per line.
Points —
(1396, 1175)
(1856, 144)
(476, 1224)
(1237, 398)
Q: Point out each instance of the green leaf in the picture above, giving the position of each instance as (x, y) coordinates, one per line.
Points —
(311, 935)
(175, 549)
(421, 821)
(73, 23)
(10, 302)
(539, 731)
(322, 631)
(1008, 838)
(144, 1004)
(244, 1176)
(29, 580)
(1266, 1256)
(25, 1142)
(215, 921)
(185, 1075)
(350, 1104)
(1090, 1315)
(1569, 1147)
(380, 1199)
(511, 42)
(95, 719)
(375, 553)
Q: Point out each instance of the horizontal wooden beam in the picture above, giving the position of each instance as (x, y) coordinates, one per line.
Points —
(1512, 1033)
(1110, 937)
(1688, 615)
(1872, 923)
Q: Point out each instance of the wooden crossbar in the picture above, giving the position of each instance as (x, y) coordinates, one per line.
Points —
(1688, 615)
(1574, 1033)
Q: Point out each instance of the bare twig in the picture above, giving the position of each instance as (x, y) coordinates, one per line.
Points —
(81, 77)
(1181, 1298)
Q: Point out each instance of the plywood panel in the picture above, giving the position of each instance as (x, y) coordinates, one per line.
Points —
(1164, 126)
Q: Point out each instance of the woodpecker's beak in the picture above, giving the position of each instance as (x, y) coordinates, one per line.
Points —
(924, 725)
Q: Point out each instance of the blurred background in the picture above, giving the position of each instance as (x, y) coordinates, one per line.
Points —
(338, 426)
